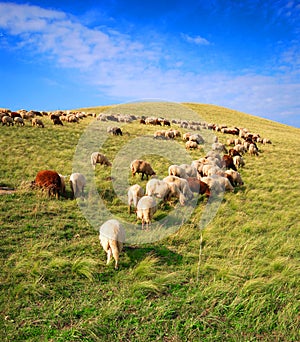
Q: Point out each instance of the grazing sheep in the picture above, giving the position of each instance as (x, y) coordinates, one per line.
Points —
(253, 151)
(234, 177)
(19, 121)
(266, 141)
(191, 145)
(112, 238)
(146, 208)
(227, 162)
(63, 184)
(199, 187)
(50, 180)
(135, 192)
(190, 170)
(197, 138)
(57, 121)
(238, 161)
(218, 147)
(225, 183)
(37, 122)
(165, 191)
(77, 184)
(99, 158)
(7, 120)
(175, 170)
(141, 166)
(182, 185)
(241, 148)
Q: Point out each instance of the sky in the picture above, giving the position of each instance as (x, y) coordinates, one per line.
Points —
(243, 55)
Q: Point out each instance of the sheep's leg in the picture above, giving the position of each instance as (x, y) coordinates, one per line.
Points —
(109, 254)
(115, 253)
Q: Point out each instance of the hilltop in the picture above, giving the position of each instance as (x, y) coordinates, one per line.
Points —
(236, 279)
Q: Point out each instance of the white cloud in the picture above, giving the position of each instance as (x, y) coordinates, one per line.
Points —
(198, 40)
(125, 69)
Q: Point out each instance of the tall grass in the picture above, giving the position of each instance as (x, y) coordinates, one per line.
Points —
(55, 285)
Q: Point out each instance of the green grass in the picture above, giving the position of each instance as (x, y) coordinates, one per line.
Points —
(235, 280)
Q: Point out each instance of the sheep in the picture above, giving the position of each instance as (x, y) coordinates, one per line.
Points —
(218, 147)
(238, 161)
(240, 148)
(199, 187)
(175, 170)
(143, 167)
(135, 192)
(227, 162)
(225, 183)
(253, 151)
(234, 177)
(63, 184)
(77, 184)
(37, 122)
(190, 170)
(218, 184)
(19, 121)
(99, 158)
(191, 145)
(165, 191)
(114, 130)
(7, 120)
(50, 180)
(57, 121)
(266, 141)
(145, 210)
(197, 138)
(182, 185)
(112, 238)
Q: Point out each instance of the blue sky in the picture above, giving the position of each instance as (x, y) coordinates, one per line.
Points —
(243, 55)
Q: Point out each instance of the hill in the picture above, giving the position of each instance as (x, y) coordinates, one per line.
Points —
(236, 279)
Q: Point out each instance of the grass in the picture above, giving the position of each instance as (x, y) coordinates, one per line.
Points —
(235, 280)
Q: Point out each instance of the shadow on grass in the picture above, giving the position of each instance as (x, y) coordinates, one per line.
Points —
(136, 254)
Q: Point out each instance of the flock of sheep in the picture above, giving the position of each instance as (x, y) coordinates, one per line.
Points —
(35, 118)
(216, 172)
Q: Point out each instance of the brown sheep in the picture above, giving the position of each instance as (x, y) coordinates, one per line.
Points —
(50, 180)
(198, 186)
(37, 122)
(143, 167)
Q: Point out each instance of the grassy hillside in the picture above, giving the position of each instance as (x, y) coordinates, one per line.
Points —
(235, 280)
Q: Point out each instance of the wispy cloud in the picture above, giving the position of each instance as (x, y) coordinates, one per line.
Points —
(124, 68)
(198, 40)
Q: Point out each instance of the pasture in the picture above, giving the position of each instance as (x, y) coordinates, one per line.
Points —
(237, 279)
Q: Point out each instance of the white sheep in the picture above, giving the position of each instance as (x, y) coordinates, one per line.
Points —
(112, 238)
(190, 170)
(77, 183)
(145, 210)
(234, 177)
(191, 145)
(253, 151)
(7, 120)
(218, 147)
(163, 190)
(19, 121)
(238, 161)
(99, 158)
(135, 192)
(175, 170)
(182, 185)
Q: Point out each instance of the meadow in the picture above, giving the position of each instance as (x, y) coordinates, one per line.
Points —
(231, 276)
